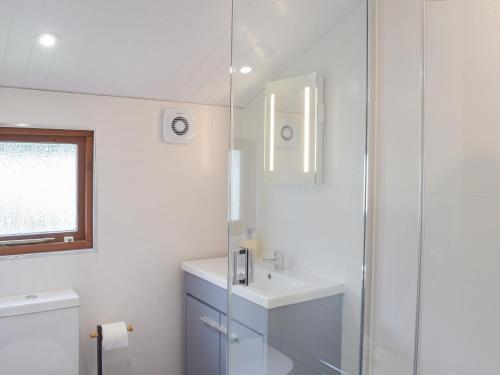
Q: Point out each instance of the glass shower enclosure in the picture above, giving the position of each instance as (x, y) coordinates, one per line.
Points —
(297, 187)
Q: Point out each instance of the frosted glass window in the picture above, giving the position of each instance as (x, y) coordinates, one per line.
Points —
(38, 187)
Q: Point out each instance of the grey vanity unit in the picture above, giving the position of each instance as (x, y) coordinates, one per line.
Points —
(307, 333)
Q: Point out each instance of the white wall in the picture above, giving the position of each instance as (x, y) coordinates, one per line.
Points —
(398, 115)
(460, 305)
(320, 228)
(157, 205)
(461, 302)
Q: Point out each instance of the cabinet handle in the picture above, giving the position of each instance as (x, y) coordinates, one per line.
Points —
(209, 322)
(223, 330)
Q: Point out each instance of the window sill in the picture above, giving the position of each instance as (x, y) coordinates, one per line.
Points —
(45, 247)
(48, 254)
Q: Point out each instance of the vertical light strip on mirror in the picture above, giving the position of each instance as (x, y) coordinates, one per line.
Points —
(316, 130)
(235, 179)
(271, 136)
(266, 128)
(306, 128)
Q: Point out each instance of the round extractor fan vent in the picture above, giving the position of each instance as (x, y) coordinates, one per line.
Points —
(178, 126)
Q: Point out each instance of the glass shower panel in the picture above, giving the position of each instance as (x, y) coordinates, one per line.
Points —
(299, 80)
(460, 302)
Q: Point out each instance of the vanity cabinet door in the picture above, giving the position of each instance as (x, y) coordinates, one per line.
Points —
(223, 347)
(203, 339)
(246, 344)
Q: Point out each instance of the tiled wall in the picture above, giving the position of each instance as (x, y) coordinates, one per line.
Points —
(461, 212)
(460, 298)
(157, 205)
(398, 116)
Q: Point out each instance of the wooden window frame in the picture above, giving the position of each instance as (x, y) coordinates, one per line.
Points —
(84, 234)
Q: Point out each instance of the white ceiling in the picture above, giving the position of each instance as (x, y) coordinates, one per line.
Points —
(270, 36)
(158, 49)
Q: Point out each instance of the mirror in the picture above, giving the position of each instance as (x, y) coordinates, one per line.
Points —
(294, 123)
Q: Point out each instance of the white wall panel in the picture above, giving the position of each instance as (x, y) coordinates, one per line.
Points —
(157, 205)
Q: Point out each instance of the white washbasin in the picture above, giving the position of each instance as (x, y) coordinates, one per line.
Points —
(267, 280)
(270, 289)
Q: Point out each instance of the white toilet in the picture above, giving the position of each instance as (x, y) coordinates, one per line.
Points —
(39, 334)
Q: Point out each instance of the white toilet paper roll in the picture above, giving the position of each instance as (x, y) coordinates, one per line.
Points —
(114, 335)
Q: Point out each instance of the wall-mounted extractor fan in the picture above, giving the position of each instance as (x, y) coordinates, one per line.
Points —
(178, 126)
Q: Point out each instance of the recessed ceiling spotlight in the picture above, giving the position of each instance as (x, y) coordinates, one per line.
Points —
(245, 69)
(47, 39)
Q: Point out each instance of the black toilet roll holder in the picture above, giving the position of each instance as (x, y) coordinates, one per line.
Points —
(97, 334)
